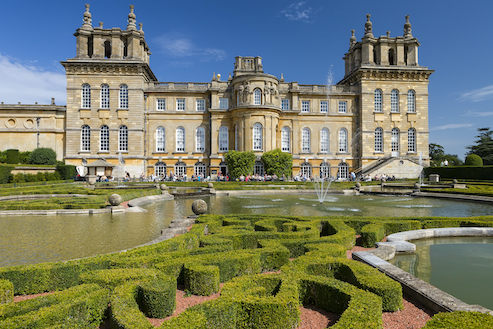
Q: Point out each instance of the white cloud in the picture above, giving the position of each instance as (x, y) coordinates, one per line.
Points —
(176, 45)
(477, 114)
(29, 84)
(453, 126)
(478, 94)
(296, 12)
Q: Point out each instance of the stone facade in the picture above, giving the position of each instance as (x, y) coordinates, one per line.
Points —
(116, 107)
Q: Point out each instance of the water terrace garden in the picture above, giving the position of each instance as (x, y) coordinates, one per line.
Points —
(267, 266)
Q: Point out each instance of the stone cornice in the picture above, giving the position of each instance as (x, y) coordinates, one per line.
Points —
(386, 74)
(109, 67)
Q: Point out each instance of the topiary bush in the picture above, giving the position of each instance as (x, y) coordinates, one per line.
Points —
(474, 160)
(12, 156)
(43, 156)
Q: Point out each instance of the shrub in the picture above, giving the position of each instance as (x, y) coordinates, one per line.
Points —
(65, 171)
(474, 160)
(5, 173)
(13, 156)
(43, 156)
(6, 291)
(459, 320)
(24, 157)
(240, 163)
(278, 163)
(202, 280)
(157, 297)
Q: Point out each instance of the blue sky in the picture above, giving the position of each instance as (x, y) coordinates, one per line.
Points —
(304, 40)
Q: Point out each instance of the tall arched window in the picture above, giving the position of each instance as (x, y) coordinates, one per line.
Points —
(411, 140)
(199, 169)
(257, 97)
(85, 138)
(104, 138)
(180, 169)
(160, 139)
(160, 169)
(257, 137)
(286, 139)
(258, 168)
(200, 139)
(324, 140)
(180, 139)
(411, 101)
(223, 139)
(123, 99)
(378, 100)
(324, 170)
(379, 140)
(343, 171)
(394, 100)
(123, 139)
(305, 140)
(394, 139)
(306, 170)
(343, 140)
(105, 96)
(86, 96)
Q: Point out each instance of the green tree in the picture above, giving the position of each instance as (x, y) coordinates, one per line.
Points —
(453, 160)
(437, 154)
(278, 163)
(484, 146)
(474, 160)
(240, 163)
(43, 156)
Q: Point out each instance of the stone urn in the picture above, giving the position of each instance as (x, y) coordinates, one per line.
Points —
(199, 207)
(416, 188)
(115, 199)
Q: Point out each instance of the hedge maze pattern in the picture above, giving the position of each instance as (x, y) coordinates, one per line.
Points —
(269, 265)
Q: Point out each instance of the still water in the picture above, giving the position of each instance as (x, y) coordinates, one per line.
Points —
(37, 239)
(460, 266)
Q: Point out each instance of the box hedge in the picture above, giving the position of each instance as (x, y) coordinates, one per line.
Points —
(6, 291)
(460, 320)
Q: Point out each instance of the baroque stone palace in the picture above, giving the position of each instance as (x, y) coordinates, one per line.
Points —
(375, 120)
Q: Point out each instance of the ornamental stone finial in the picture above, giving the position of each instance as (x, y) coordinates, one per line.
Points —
(407, 28)
(352, 40)
(131, 19)
(87, 20)
(368, 27)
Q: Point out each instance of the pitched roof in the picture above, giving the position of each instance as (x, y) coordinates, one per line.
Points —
(100, 163)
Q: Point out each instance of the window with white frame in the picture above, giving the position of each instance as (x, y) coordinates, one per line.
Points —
(305, 106)
(306, 170)
(258, 168)
(305, 140)
(379, 140)
(123, 139)
(123, 99)
(394, 100)
(86, 96)
(257, 97)
(342, 107)
(343, 140)
(324, 106)
(324, 140)
(200, 105)
(223, 139)
(324, 170)
(394, 140)
(160, 139)
(85, 138)
(180, 169)
(378, 100)
(343, 171)
(105, 96)
(286, 139)
(285, 104)
(257, 137)
(411, 140)
(180, 104)
(180, 139)
(200, 139)
(104, 138)
(199, 169)
(223, 103)
(160, 169)
(161, 104)
(411, 101)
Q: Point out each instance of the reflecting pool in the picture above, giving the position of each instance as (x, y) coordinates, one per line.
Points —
(460, 266)
(36, 239)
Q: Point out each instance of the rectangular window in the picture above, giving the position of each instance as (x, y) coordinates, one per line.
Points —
(285, 104)
(200, 105)
(342, 107)
(161, 104)
(305, 106)
(223, 103)
(180, 104)
(324, 106)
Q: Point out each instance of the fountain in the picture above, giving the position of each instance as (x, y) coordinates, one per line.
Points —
(421, 173)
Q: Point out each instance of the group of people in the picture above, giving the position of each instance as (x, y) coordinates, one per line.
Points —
(382, 178)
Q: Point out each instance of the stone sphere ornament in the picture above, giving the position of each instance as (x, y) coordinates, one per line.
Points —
(163, 187)
(199, 207)
(210, 185)
(115, 199)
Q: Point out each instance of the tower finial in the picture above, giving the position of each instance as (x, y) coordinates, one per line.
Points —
(407, 28)
(368, 27)
(131, 19)
(87, 20)
(352, 40)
